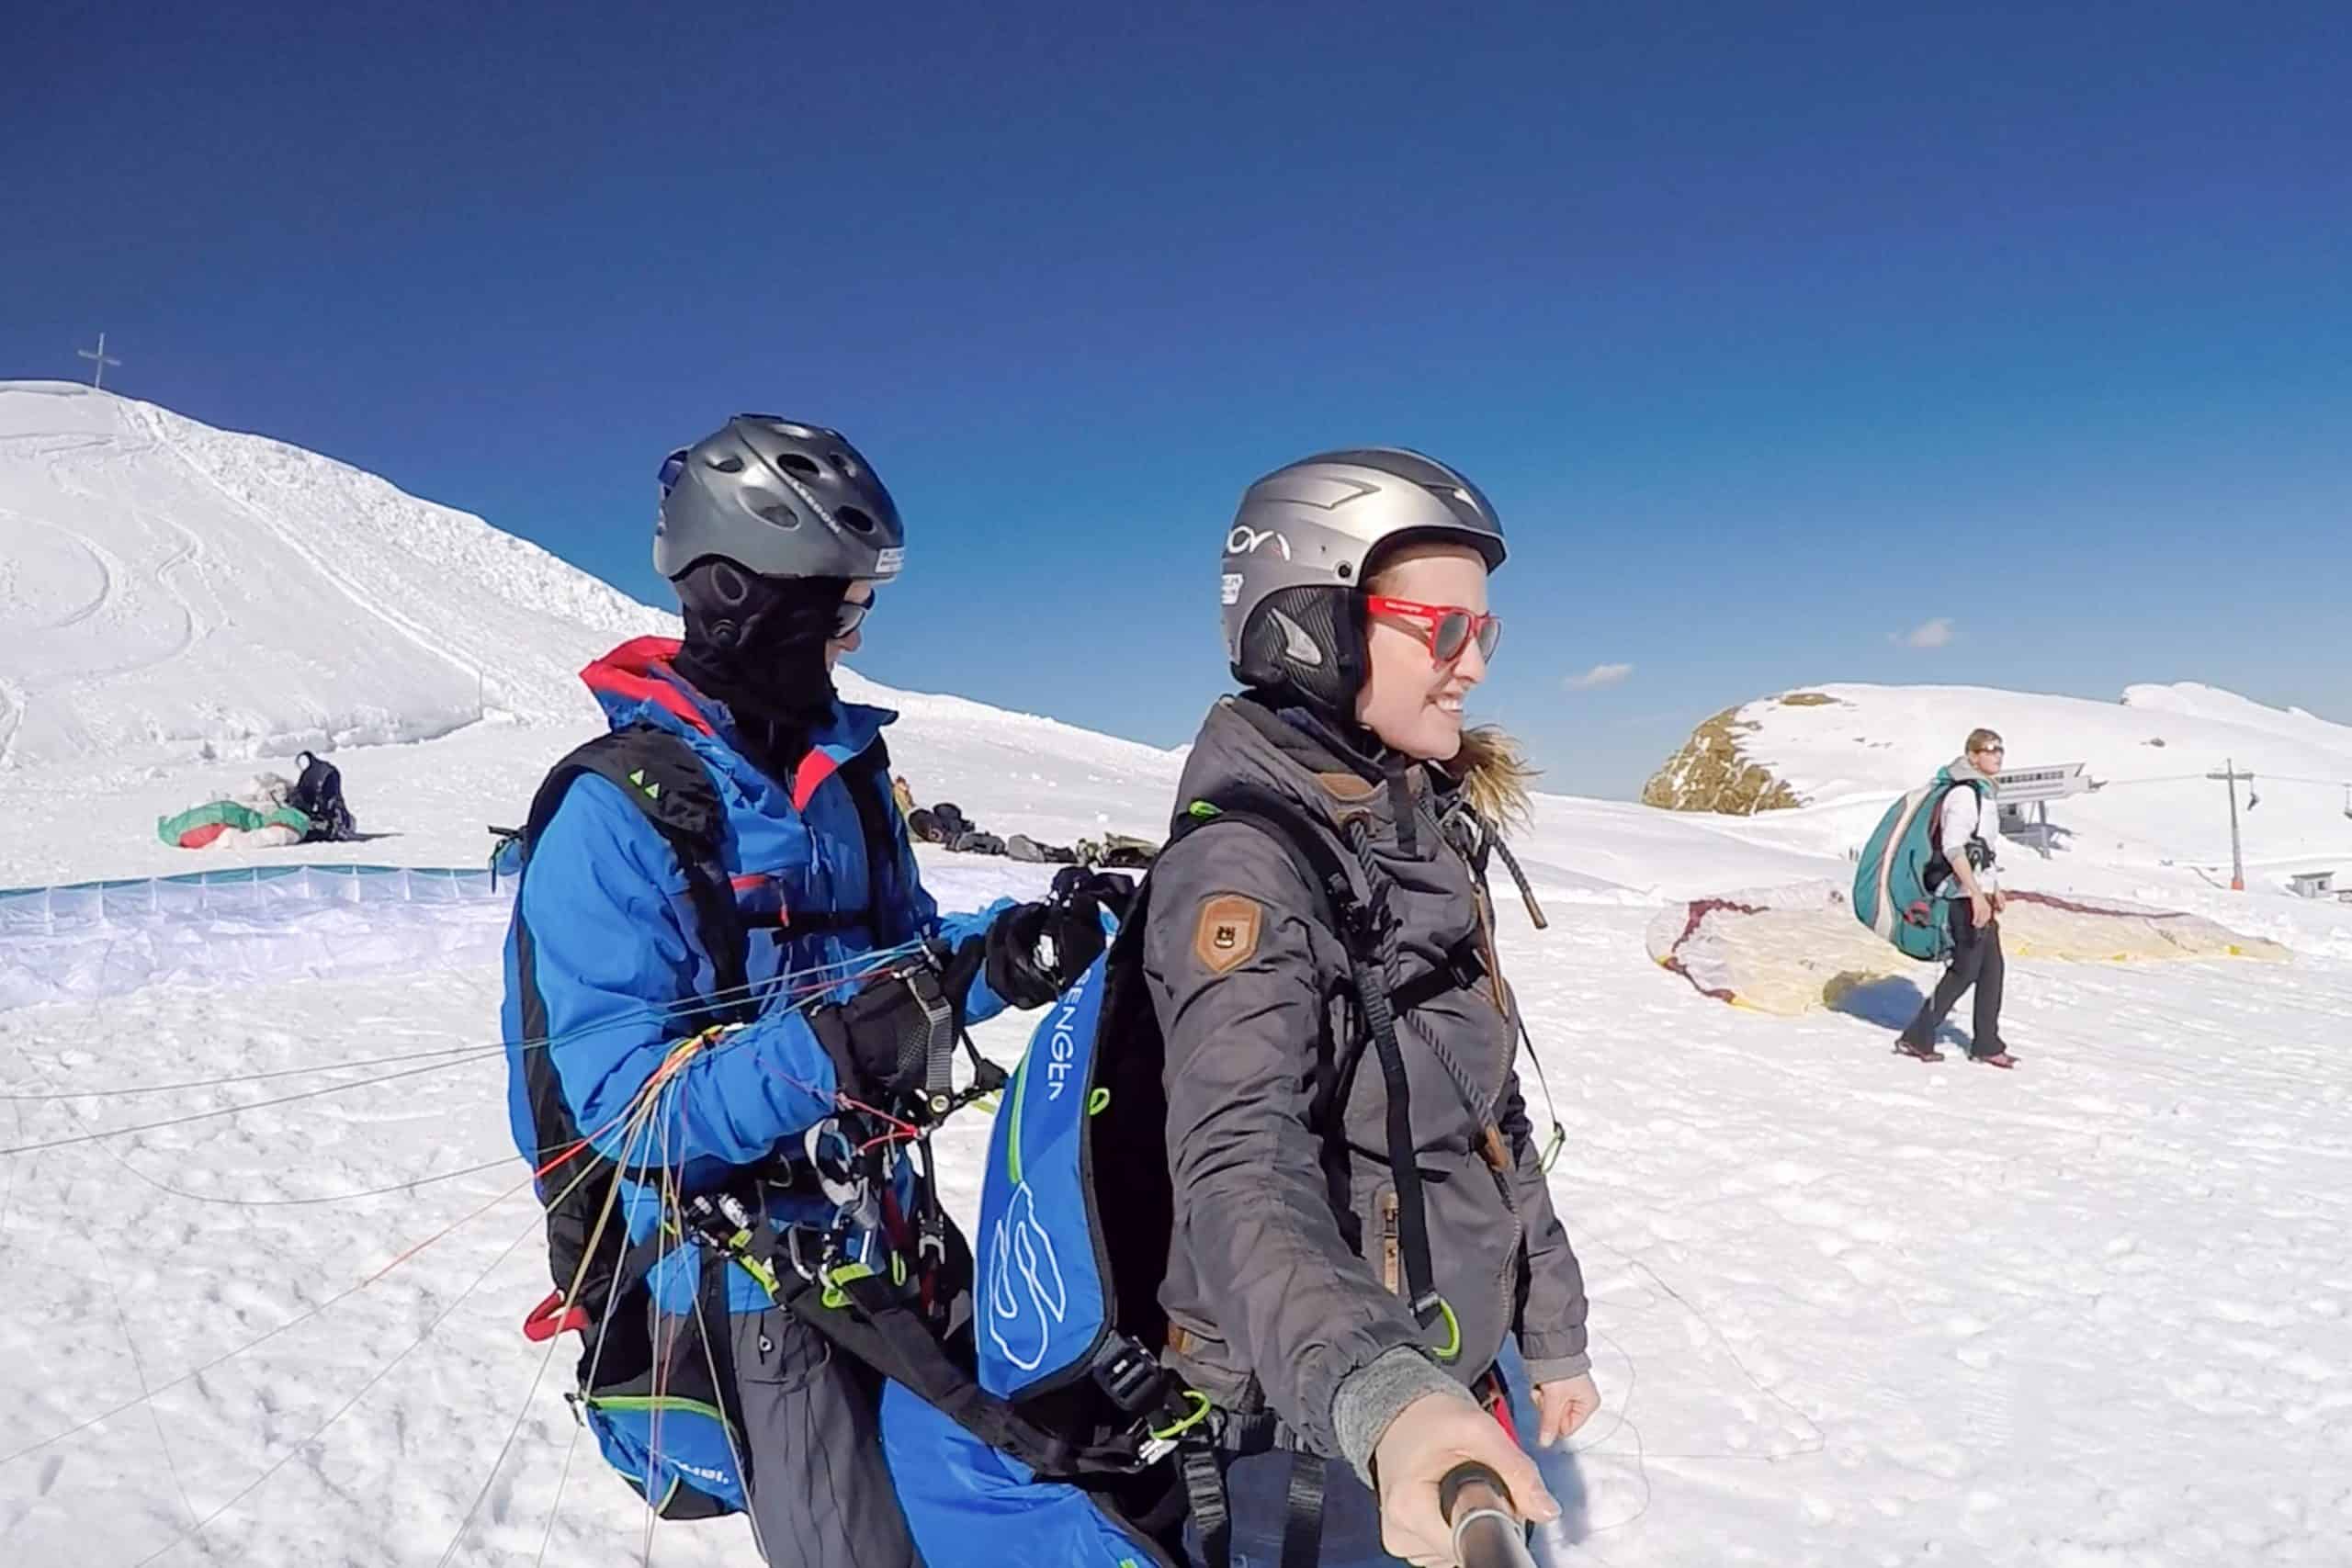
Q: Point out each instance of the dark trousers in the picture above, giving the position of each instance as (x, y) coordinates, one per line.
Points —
(1257, 1488)
(1975, 961)
(821, 1495)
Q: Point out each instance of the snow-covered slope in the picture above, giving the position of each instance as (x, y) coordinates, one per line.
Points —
(171, 591)
(266, 1244)
(182, 604)
(1838, 743)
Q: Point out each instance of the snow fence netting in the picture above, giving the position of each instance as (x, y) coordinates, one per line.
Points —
(252, 925)
(1789, 950)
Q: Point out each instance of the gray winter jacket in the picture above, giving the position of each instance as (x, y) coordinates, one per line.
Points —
(1275, 1297)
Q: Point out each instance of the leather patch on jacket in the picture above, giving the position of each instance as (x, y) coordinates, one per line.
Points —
(1346, 787)
(1229, 931)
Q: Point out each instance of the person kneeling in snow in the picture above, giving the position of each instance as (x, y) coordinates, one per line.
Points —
(317, 794)
(1968, 822)
(775, 534)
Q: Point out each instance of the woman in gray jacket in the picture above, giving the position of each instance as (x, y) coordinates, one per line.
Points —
(1355, 611)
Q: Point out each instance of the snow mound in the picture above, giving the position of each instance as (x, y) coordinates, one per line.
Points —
(169, 590)
(1791, 950)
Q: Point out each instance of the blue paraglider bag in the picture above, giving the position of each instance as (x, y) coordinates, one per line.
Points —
(1077, 1143)
(661, 1417)
(676, 1450)
(1039, 1305)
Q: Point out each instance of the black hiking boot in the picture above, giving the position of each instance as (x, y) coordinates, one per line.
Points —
(1927, 1053)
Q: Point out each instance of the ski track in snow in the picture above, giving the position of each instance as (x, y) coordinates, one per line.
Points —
(319, 561)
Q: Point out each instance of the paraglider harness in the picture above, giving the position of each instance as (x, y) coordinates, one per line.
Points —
(661, 1399)
(1104, 1412)
(1083, 1168)
(663, 1404)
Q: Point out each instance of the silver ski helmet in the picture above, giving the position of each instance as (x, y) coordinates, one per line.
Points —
(778, 498)
(1297, 554)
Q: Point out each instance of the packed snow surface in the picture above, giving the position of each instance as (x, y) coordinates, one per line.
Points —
(1847, 1308)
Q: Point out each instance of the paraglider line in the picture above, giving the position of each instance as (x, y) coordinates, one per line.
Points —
(208, 1115)
(465, 1520)
(139, 1366)
(398, 1187)
(563, 1479)
(798, 984)
(220, 1110)
(376, 1377)
(312, 1313)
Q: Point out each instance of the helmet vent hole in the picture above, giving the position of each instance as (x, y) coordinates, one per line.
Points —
(729, 464)
(781, 515)
(841, 465)
(799, 466)
(855, 521)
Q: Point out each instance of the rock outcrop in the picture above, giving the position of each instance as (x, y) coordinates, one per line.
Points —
(1711, 772)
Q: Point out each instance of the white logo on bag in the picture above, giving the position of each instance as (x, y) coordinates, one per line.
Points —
(1245, 541)
(1061, 1046)
(1020, 1244)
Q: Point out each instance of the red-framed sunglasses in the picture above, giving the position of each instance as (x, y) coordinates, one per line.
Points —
(1449, 629)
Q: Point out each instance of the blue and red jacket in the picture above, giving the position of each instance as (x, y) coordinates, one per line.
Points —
(605, 945)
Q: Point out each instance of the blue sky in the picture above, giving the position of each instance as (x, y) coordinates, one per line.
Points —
(1774, 337)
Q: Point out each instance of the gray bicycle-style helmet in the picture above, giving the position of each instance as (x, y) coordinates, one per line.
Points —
(778, 498)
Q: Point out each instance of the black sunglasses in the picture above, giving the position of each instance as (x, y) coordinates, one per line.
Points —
(851, 613)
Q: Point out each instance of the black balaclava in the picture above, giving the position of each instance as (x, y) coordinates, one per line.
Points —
(757, 644)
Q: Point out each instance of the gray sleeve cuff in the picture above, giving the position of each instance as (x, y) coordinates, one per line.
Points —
(1371, 1396)
(1557, 1368)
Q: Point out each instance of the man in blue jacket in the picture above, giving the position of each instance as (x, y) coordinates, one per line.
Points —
(792, 907)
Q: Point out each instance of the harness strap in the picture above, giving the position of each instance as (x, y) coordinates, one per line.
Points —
(1463, 967)
(1320, 864)
(789, 924)
(660, 775)
(1203, 1467)
(1404, 1169)
(881, 1331)
(1302, 1516)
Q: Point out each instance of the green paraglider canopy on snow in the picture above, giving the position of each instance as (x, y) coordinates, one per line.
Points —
(192, 829)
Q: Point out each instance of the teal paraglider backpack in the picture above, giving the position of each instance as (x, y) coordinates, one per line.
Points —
(1902, 864)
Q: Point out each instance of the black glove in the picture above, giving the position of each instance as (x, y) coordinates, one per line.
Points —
(1033, 952)
(893, 1038)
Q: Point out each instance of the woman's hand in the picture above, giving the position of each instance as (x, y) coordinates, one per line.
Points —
(1566, 1404)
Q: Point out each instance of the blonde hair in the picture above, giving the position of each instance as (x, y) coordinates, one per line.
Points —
(1495, 777)
(1980, 738)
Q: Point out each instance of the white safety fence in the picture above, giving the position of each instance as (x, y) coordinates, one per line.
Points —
(247, 926)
